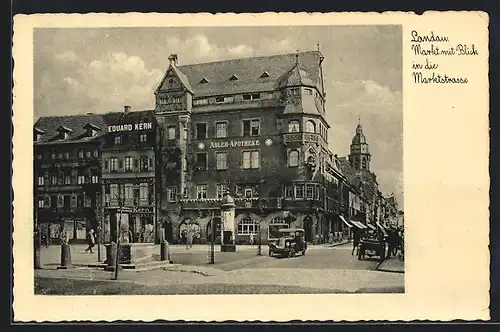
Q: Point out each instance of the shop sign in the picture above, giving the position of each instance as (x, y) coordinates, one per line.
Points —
(234, 144)
(130, 127)
(139, 209)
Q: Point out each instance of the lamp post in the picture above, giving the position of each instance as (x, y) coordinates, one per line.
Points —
(212, 238)
(261, 212)
(118, 251)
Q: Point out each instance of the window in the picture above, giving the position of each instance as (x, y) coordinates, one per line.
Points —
(81, 179)
(171, 132)
(144, 193)
(67, 179)
(248, 193)
(201, 161)
(53, 201)
(201, 191)
(219, 99)
(308, 92)
(129, 164)
(39, 156)
(248, 226)
(144, 163)
(53, 180)
(80, 154)
(251, 159)
(293, 158)
(203, 101)
(233, 78)
(221, 160)
(363, 164)
(201, 130)
(41, 203)
(53, 156)
(60, 156)
(251, 96)
(310, 127)
(67, 201)
(95, 179)
(113, 191)
(294, 91)
(96, 153)
(177, 100)
(172, 194)
(118, 140)
(264, 74)
(293, 126)
(289, 191)
(113, 164)
(299, 191)
(221, 189)
(88, 154)
(309, 191)
(221, 129)
(251, 127)
(143, 138)
(41, 180)
(203, 80)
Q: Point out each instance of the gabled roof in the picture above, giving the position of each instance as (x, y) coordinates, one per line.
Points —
(296, 77)
(249, 72)
(74, 125)
(91, 126)
(180, 75)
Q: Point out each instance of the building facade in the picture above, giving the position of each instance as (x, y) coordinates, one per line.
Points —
(254, 127)
(128, 175)
(67, 175)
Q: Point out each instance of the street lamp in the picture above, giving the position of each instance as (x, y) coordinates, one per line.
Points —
(121, 203)
(261, 212)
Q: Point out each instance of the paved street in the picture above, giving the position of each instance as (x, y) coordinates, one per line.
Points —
(322, 269)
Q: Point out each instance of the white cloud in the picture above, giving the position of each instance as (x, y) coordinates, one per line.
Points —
(67, 56)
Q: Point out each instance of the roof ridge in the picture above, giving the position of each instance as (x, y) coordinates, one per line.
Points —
(246, 58)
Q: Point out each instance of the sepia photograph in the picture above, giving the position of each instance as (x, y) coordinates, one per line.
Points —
(218, 160)
(268, 167)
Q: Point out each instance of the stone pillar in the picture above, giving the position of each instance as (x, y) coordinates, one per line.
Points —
(228, 224)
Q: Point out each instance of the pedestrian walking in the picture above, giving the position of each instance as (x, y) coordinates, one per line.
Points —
(90, 241)
(251, 239)
(356, 240)
(189, 236)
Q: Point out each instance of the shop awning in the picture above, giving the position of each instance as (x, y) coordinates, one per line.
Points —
(372, 227)
(345, 221)
(358, 224)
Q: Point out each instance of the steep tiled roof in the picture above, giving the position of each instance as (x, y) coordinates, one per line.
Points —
(249, 73)
(76, 123)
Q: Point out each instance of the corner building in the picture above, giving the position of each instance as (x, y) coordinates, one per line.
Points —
(255, 127)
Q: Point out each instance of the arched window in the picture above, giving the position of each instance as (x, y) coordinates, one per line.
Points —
(363, 164)
(274, 226)
(293, 126)
(310, 127)
(293, 158)
(248, 226)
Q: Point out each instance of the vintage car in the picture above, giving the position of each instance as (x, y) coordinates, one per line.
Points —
(291, 241)
(372, 247)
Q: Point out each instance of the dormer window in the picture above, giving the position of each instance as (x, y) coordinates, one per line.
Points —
(203, 80)
(38, 134)
(233, 78)
(64, 132)
(91, 130)
(264, 74)
(251, 96)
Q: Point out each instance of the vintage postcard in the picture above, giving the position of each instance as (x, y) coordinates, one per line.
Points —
(257, 167)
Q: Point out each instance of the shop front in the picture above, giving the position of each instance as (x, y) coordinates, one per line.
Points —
(58, 226)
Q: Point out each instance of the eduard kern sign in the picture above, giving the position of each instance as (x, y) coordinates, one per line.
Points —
(130, 127)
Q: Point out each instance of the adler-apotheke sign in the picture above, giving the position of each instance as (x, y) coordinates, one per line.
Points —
(130, 127)
(234, 144)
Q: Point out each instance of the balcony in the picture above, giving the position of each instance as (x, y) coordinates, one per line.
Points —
(301, 138)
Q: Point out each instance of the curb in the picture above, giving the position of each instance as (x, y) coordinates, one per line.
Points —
(387, 270)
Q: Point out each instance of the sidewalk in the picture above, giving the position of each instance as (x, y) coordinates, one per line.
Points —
(338, 280)
(392, 264)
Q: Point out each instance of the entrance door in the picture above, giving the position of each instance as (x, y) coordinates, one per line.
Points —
(308, 229)
(168, 231)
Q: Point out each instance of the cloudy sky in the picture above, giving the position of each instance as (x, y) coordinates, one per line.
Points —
(98, 70)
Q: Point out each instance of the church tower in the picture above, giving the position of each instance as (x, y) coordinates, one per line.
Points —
(360, 156)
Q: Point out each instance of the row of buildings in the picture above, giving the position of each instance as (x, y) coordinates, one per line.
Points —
(253, 127)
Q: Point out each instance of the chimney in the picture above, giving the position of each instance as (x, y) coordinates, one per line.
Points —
(126, 109)
(173, 59)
